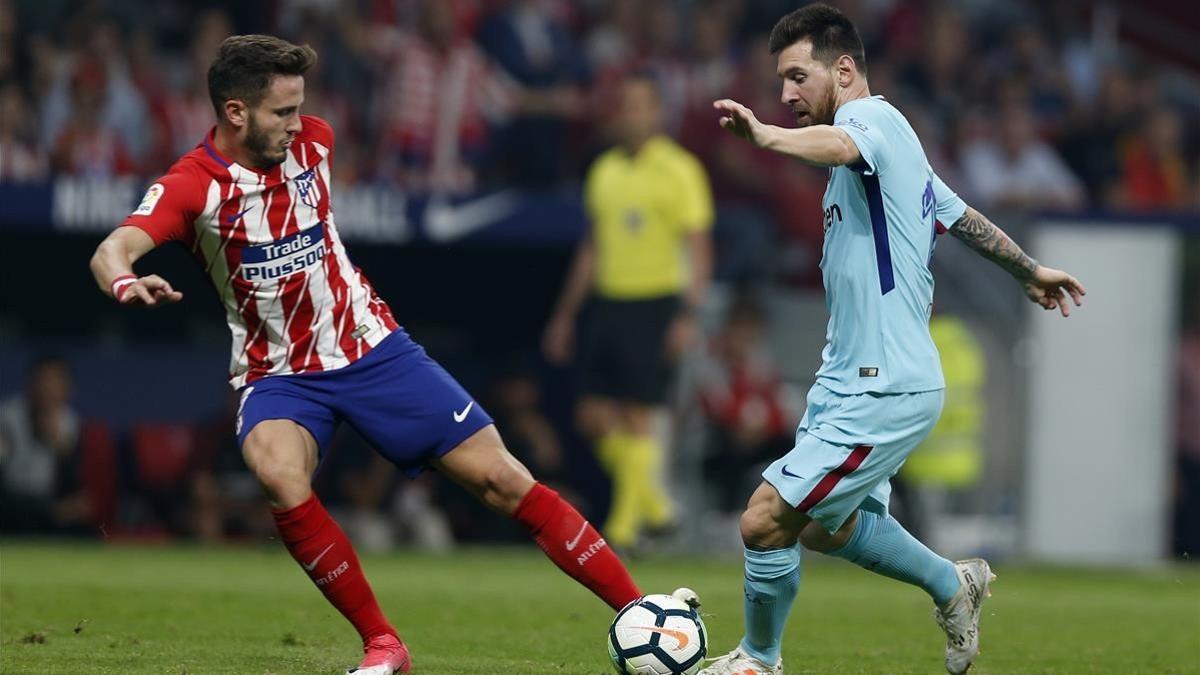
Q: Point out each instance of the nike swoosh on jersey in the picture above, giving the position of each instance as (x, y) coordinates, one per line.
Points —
(234, 218)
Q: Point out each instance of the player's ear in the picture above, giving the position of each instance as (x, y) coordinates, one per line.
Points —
(844, 69)
(237, 114)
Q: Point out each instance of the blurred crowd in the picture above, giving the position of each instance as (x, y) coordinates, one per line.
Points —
(1018, 104)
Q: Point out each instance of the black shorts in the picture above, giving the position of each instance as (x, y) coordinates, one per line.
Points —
(622, 349)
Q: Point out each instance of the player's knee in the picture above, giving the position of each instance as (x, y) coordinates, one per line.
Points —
(505, 484)
(283, 476)
(758, 526)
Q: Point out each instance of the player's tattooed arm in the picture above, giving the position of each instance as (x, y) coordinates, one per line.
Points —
(976, 231)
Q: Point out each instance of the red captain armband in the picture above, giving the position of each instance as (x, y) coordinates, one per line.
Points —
(121, 284)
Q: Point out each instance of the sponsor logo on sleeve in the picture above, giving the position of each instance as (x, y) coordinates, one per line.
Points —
(284, 257)
(153, 194)
(851, 122)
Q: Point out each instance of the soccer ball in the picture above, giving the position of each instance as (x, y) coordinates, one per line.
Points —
(657, 635)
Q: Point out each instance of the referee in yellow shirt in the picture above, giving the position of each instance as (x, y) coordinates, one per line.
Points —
(645, 263)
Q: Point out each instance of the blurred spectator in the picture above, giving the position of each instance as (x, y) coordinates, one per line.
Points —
(39, 459)
(21, 158)
(188, 110)
(612, 44)
(529, 40)
(742, 395)
(84, 146)
(438, 94)
(646, 265)
(1153, 166)
(1017, 170)
(1090, 143)
(93, 104)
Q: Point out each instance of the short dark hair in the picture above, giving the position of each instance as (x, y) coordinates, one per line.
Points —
(831, 32)
(245, 65)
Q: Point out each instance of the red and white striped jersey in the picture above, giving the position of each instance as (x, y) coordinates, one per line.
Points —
(268, 241)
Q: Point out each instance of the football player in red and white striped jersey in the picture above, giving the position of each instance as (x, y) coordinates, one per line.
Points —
(312, 342)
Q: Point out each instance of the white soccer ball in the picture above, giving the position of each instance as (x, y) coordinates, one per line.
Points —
(657, 635)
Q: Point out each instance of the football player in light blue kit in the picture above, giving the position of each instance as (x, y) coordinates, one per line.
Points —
(879, 389)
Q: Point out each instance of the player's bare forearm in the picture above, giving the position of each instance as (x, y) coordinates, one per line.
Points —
(989, 241)
(820, 145)
(112, 267)
(114, 257)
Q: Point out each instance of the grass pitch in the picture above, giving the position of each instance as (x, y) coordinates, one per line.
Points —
(67, 608)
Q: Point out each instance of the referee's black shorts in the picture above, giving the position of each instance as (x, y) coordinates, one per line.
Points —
(622, 349)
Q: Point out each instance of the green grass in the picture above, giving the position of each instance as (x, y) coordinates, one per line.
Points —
(109, 609)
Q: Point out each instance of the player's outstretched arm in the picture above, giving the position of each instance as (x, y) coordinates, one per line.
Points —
(818, 145)
(1046, 286)
(112, 266)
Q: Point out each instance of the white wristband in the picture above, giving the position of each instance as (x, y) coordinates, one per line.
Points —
(120, 284)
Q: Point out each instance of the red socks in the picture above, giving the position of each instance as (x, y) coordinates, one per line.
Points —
(575, 546)
(322, 549)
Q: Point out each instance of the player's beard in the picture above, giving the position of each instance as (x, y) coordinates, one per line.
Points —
(259, 145)
(825, 112)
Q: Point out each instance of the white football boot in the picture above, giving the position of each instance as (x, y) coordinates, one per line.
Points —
(738, 662)
(960, 617)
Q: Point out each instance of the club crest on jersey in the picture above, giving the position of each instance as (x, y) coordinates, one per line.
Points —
(306, 185)
(284, 257)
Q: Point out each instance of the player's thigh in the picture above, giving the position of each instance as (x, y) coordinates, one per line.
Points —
(485, 467)
(281, 427)
(408, 407)
(863, 441)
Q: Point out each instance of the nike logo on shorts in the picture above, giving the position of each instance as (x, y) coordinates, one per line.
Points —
(460, 416)
(785, 472)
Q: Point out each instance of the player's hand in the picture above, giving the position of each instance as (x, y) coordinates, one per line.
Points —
(150, 291)
(1049, 288)
(558, 340)
(741, 122)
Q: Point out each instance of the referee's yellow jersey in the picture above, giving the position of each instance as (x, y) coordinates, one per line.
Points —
(642, 207)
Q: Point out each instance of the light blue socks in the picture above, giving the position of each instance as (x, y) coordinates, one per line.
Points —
(772, 579)
(881, 545)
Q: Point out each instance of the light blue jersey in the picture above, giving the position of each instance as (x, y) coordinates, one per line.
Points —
(880, 231)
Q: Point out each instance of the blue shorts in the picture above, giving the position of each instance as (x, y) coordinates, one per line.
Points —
(401, 401)
(847, 448)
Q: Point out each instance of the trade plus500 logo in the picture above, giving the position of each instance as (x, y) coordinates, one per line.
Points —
(285, 256)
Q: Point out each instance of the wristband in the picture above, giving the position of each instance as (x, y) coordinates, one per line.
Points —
(121, 284)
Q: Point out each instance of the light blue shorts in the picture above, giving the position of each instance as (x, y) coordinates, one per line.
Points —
(847, 448)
